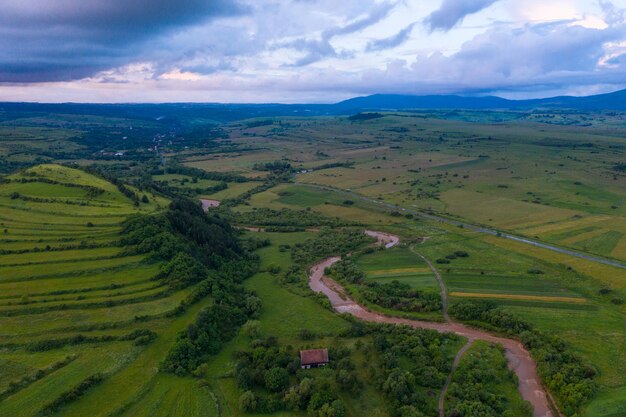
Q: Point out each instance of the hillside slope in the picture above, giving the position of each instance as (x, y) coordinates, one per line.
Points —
(79, 313)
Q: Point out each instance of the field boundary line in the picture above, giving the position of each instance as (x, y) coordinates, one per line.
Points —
(475, 228)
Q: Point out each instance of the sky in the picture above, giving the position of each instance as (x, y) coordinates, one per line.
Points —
(307, 51)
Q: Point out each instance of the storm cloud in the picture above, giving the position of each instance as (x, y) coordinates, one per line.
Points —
(61, 40)
(391, 41)
(452, 12)
(322, 48)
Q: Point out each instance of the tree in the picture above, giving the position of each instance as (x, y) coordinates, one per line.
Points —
(334, 409)
(247, 402)
(399, 385)
(201, 371)
(410, 411)
(276, 379)
(273, 269)
(252, 329)
(347, 380)
(253, 306)
(292, 399)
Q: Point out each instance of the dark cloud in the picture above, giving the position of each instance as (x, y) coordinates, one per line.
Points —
(392, 41)
(452, 12)
(59, 40)
(322, 48)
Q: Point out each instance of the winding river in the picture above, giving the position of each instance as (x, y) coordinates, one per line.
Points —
(519, 360)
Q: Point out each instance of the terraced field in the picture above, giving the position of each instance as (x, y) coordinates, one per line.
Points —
(74, 305)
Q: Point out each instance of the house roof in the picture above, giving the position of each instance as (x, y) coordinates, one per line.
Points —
(313, 356)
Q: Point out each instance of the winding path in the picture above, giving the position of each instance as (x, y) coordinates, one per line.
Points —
(519, 360)
(455, 364)
(444, 291)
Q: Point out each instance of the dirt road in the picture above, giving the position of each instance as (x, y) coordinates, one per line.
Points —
(442, 285)
(207, 204)
(519, 360)
(455, 364)
(383, 238)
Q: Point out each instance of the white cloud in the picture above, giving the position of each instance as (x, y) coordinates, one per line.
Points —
(361, 47)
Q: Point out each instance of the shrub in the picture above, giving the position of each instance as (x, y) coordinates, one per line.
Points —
(248, 402)
(251, 329)
(274, 269)
(71, 395)
(276, 379)
(400, 296)
(306, 334)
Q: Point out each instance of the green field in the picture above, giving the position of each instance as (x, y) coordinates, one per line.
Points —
(66, 277)
(71, 279)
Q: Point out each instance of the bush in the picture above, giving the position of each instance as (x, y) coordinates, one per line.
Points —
(274, 269)
(400, 296)
(251, 329)
(328, 242)
(306, 334)
(142, 340)
(71, 395)
(183, 270)
(276, 379)
(248, 402)
(347, 270)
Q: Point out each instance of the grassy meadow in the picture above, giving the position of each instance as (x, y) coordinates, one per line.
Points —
(550, 181)
(71, 296)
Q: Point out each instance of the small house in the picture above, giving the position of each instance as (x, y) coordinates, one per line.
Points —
(313, 358)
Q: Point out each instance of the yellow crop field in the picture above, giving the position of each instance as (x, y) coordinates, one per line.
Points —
(519, 297)
(614, 277)
(397, 271)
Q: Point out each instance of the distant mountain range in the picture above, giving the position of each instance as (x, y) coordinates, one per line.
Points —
(219, 113)
(610, 101)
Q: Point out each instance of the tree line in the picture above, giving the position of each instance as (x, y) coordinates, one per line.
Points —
(568, 376)
(198, 249)
(393, 295)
